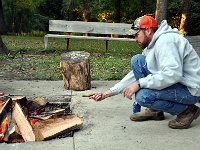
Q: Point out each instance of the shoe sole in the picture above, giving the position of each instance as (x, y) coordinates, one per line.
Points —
(148, 118)
(196, 115)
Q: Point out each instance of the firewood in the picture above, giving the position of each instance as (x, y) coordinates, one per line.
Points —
(13, 138)
(51, 128)
(48, 114)
(41, 117)
(22, 100)
(38, 102)
(57, 112)
(23, 124)
(6, 136)
(5, 109)
(19, 99)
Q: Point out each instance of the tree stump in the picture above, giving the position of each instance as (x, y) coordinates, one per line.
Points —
(75, 66)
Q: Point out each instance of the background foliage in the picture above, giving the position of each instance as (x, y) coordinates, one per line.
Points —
(26, 16)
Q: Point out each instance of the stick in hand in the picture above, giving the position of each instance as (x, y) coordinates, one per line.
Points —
(95, 96)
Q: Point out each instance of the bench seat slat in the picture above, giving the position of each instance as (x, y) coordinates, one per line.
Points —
(82, 37)
(89, 27)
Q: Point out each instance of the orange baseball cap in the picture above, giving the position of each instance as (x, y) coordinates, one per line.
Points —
(142, 23)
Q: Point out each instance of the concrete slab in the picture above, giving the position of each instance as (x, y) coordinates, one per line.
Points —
(58, 144)
(52, 90)
(106, 124)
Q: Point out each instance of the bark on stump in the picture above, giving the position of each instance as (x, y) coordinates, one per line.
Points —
(75, 68)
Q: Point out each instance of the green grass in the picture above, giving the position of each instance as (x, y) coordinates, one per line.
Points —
(38, 64)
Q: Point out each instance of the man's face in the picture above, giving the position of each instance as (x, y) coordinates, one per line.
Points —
(142, 38)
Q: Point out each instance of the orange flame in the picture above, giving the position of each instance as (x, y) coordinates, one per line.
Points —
(3, 128)
(33, 121)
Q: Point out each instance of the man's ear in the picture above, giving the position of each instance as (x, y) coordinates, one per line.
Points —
(149, 31)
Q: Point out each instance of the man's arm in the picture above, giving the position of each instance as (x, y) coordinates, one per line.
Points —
(99, 96)
(116, 89)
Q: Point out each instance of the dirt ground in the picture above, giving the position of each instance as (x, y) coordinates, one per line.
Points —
(29, 67)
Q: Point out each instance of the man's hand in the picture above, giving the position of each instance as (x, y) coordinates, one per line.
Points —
(95, 96)
(99, 96)
(131, 89)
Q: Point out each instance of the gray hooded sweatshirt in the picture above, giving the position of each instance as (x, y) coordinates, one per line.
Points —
(171, 59)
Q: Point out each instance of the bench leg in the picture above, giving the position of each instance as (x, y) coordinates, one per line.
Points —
(67, 44)
(106, 45)
(45, 42)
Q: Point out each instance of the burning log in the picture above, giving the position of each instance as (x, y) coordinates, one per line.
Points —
(24, 121)
(51, 128)
(19, 99)
(75, 68)
(23, 124)
(57, 112)
(3, 128)
(48, 115)
(5, 109)
(38, 102)
(13, 136)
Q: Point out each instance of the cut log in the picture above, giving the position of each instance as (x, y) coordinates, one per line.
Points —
(23, 124)
(19, 99)
(12, 137)
(57, 112)
(5, 109)
(38, 102)
(75, 67)
(22, 100)
(51, 128)
(49, 114)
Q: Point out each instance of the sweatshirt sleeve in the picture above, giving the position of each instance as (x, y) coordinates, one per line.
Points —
(128, 79)
(166, 68)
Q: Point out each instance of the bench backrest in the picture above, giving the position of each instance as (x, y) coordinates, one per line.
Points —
(88, 27)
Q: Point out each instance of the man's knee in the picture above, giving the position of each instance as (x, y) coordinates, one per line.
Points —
(136, 58)
(145, 97)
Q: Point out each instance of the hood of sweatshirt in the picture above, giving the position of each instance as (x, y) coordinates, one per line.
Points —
(162, 29)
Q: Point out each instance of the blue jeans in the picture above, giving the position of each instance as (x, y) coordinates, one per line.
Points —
(174, 99)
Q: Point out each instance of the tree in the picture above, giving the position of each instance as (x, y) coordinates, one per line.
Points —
(86, 11)
(130, 10)
(161, 10)
(3, 49)
(2, 21)
(117, 10)
(20, 14)
(186, 5)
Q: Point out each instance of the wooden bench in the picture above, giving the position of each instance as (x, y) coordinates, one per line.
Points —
(95, 30)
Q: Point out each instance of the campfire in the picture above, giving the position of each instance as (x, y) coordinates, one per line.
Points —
(23, 120)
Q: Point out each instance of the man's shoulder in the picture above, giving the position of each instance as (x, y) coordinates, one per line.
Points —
(169, 37)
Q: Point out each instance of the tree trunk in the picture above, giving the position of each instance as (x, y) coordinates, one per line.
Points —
(3, 49)
(161, 10)
(117, 4)
(117, 11)
(86, 12)
(186, 5)
(2, 21)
